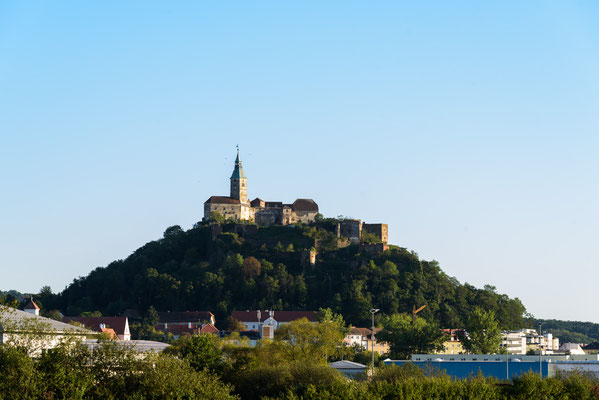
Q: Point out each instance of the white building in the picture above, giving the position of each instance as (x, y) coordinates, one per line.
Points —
(528, 340)
(35, 333)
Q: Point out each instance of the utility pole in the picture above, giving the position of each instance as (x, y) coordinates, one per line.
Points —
(540, 349)
(372, 311)
(507, 358)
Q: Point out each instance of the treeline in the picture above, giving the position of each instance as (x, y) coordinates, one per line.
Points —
(571, 331)
(202, 367)
(267, 268)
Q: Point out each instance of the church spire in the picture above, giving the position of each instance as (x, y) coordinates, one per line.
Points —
(238, 171)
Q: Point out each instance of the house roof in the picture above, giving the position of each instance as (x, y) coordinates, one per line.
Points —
(209, 328)
(305, 205)
(591, 346)
(95, 323)
(221, 200)
(257, 202)
(178, 330)
(184, 316)
(18, 320)
(279, 316)
(141, 346)
(31, 305)
(344, 364)
(359, 331)
(110, 332)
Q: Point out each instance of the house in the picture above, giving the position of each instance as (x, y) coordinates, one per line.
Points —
(32, 308)
(378, 346)
(452, 344)
(362, 337)
(357, 337)
(192, 329)
(185, 317)
(119, 325)
(34, 332)
(348, 368)
(139, 346)
(591, 348)
(572, 348)
(254, 319)
(180, 323)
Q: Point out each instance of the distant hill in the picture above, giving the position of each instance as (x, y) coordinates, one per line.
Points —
(245, 267)
(12, 294)
(571, 331)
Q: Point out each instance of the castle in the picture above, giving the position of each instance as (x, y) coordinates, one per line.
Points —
(263, 213)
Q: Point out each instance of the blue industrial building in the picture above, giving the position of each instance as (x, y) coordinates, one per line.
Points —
(466, 369)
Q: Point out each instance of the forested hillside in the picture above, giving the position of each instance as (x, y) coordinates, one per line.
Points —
(200, 269)
(571, 331)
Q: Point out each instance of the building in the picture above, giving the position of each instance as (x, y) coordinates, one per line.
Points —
(253, 320)
(353, 229)
(237, 207)
(503, 366)
(591, 348)
(357, 337)
(185, 317)
(526, 341)
(108, 325)
(452, 344)
(191, 329)
(362, 338)
(32, 308)
(571, 348)
(181, 323)
(35, 333)
(350, 369)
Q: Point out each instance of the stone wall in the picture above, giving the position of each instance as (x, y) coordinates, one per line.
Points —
(379, 230)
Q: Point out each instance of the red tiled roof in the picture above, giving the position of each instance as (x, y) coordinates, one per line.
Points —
(184, 316)
(178, 330)
(110, 332)
(221, 200)
(359, 331)
(280, 316)
(93, 323)
(31, 305)
(209, 328)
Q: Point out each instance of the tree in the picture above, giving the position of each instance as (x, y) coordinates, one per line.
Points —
(408, 335)
(151, 317)
(482, 335)
(200, 351)
(251, 267)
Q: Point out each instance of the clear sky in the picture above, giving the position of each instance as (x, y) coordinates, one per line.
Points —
(471, 128)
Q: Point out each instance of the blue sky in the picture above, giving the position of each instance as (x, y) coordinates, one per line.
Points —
(469, 127)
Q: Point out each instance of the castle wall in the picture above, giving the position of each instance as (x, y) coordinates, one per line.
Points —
(351, 229)
(379, 230)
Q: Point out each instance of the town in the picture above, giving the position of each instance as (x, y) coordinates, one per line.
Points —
(355, 351)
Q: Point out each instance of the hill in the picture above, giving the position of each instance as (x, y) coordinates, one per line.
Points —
(571, 331)
(229, 267)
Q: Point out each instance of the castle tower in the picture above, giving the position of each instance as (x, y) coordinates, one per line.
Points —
(239, 182)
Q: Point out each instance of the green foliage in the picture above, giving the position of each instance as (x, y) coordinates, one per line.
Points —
(369, 238)
(292, 378)
(71, 371)
(306, 341)
(483, 333)
(199, 351)
(408, 335)
(570, 331)
(187, 270)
